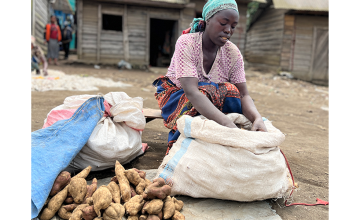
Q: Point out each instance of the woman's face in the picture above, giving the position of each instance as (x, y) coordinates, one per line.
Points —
(53, 19)
(221, 26)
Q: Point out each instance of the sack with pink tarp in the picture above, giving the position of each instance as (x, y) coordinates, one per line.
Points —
(117, 136)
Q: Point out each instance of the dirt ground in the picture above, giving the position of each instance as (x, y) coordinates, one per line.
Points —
(299, 109)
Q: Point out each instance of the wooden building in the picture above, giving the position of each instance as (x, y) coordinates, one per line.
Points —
(39, 18)
(292, 36)
(142, 32)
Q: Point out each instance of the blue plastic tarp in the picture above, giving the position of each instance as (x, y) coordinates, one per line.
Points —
(54, 147)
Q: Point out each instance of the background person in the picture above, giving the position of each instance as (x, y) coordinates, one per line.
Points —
(53, 37)
(67, 38)
(37, 58)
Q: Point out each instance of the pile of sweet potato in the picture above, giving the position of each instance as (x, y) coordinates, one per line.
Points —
(129, 194)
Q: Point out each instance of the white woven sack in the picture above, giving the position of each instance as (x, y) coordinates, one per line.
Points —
(212, 161)
(117, 138)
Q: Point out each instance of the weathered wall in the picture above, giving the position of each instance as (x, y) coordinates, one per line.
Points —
(264, 38)
(239, 36)
(288, 43)
(132, 43)
(305, 46)
(39, 20)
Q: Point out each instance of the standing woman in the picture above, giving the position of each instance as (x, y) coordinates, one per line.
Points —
(53, 37)
(206, 75)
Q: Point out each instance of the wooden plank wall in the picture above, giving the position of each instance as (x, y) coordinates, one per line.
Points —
(137, 33)
(238, 38)
(303, 44)
(41, 18)
(320, 51)
(264, 39)
(112, 47)
(304, 28)
(288, 43)
(112, 42)
(186, 17)
(89, 30)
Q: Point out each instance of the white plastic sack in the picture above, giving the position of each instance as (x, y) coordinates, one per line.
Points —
(212, 161)
(113, 138)
(127, 109)
(117, 138)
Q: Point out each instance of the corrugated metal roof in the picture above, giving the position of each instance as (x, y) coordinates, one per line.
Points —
(308, 5)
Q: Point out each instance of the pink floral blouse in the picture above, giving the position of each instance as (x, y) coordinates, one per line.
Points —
(187, 61)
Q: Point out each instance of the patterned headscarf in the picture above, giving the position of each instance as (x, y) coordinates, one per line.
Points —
(210, 8)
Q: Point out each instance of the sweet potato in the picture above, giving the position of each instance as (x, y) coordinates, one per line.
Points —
(143, 211)
(114, 179)
(89, 201)
(169, 207)
(160, 215)
(134, 205)
(141, 173)
(90, 190)
(77, 189)
(77, 213)
(178, 204)
(114, 212)
(153, 217)
(89, 213)
(143, 217)
(123, 182)
(148, 182)
(54, 204)
(102, 199)
(178, 216)
(69, 200)
(133, 217)
(133, 177)
(115, 191)
(83, 174)
(140, 187)
(133, 193)
(154, 207)
(157, 189)
(62, 180)
(66, 210)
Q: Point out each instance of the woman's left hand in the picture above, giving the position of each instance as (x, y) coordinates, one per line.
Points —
(258, 125)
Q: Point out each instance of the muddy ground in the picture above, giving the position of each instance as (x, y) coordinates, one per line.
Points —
(299, 109)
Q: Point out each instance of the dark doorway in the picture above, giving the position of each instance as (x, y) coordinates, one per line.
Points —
(162, 41)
